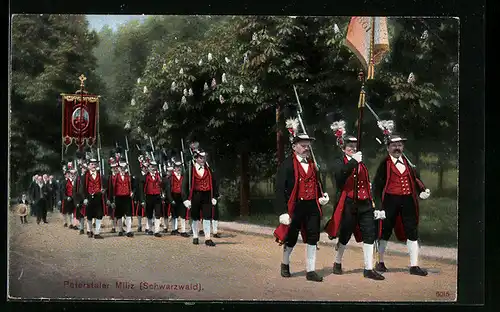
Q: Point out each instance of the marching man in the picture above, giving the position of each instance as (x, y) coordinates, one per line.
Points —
(352, 215)
(173, 192)
(109, 195)
(69, 191)
(122, 194)
(200, 195)
(396, 186)
(299, 192)
(93, 192)
(152, 196)
(139, 210)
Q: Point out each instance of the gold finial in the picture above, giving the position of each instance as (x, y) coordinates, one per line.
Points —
(82, 78)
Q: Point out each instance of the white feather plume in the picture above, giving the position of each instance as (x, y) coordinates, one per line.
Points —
(338, 125)
(386, 125)
(292, 123)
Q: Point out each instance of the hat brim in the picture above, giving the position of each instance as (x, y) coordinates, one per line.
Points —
(306, 138)
(396, 140)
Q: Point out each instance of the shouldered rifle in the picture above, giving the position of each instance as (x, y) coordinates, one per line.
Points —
(380, 142)
(126, 154)
(153, 155)
(299, 115)
(186, 167)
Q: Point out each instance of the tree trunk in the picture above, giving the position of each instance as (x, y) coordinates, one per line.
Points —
(280, 144)
(440, 173)
(244, 183)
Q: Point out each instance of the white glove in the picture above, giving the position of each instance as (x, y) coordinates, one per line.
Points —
(357, 157)
(285, 219)
(85, 201)
(324, 200)
(187, 203)
(108, 202)
(214, 201)
(131, 194)
(143, 204)
(425, 194)
(68, 199)
(379, 214)
(59, 203)
(113, 205)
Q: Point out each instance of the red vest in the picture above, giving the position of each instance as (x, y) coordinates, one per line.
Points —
(399, 183)
(176, 184)
(307, 183)
(93, 186)
(363, 184)
(122, 187)
(202, 183)
(152, 187)
(69, 188)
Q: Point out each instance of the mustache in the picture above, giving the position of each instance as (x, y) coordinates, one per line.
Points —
(397, 150)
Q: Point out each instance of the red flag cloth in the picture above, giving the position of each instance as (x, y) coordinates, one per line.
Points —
(79, 119)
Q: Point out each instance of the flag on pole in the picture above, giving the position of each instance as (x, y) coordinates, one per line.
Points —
(359, 36)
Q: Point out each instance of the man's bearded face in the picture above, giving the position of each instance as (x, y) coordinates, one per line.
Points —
(350, 149)
(302, 148)
(396, 149)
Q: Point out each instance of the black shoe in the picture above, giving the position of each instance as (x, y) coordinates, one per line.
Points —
(113, 230)
(157, 235)
(196, 241)
(45, 221)
(165, 231)
(82, 232)
(201, 232)
(71, 226)
(98, 236)
(174, 232)
(337, 268)
(90, 234)
(184, 234)
(65, 224)
(210, 243)
(416, 270)
(217, 235)
(130, 234)
(120, 233)
(139, 229)
(313, 276)
(374, 275)
(285, 270)
(75, 227)
(37, 221)
(150, 232)
(380, 267)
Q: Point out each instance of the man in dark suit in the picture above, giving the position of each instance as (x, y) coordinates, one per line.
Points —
(299, 192)
(39, 193)
(396, 189)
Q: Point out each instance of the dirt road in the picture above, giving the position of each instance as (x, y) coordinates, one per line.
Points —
(49, 261)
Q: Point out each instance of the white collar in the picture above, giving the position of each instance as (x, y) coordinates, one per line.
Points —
(178, 175)
(300, 158)
(394, 159)
(348, 157)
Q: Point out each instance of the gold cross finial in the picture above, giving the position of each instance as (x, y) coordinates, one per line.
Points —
(82, 78)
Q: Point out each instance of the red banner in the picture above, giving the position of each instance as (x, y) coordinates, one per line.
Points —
(79, 119)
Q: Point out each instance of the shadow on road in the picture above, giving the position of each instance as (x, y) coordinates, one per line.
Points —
(324, 272)
(228, 243)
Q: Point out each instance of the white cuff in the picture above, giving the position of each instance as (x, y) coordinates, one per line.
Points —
(285, 219)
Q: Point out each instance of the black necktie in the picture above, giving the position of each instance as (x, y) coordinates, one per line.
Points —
(399, 162)
(304, 161)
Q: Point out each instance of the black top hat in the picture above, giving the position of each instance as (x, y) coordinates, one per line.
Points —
(393, 138)
(199, 152)
(302, 137)
(349, 138)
